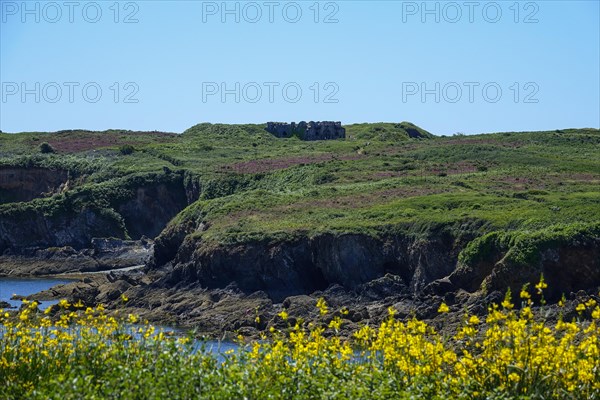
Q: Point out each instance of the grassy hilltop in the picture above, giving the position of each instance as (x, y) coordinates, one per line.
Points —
(251, 184)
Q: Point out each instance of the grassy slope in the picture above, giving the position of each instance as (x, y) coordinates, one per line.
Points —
(255, 185)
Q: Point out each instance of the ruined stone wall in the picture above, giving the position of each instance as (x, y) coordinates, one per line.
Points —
(320, 130)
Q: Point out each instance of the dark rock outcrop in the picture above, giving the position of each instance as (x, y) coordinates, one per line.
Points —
(304, 265)
(151, 208)
(142, 210)
(25, 184)
(568, 260)
(566, 269)
(105, 255)
(26, 230)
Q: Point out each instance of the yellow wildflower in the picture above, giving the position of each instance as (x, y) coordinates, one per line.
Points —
(284, 315)
(64, 303)
(443, 308)
(541, 285)
(322, 306)
(507, 303)
(132, 319)
(335, 323)
(590, 303)
(391, 311)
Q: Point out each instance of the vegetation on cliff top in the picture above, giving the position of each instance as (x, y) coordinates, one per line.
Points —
(251, 185)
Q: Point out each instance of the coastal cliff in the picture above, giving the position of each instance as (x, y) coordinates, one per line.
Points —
(229, 221)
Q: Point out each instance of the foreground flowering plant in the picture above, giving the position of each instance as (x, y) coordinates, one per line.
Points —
(86, 353)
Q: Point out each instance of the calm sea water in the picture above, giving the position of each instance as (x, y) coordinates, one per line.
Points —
(25, 287)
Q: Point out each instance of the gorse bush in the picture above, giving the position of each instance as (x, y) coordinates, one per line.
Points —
(85, 354)
(126, 149)
(46, 148)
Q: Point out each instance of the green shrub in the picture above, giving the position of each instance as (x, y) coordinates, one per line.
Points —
(45, 148)
(126, 149)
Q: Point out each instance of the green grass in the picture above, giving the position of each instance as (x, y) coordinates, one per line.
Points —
(252, 184)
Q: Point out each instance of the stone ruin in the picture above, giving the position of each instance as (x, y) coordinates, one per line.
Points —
(320, 130)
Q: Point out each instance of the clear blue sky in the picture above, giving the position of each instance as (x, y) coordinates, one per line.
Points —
(373, 58)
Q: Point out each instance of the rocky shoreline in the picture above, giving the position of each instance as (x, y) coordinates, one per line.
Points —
(103, 255)
(228, 312)
(226, 290)
(170, 295)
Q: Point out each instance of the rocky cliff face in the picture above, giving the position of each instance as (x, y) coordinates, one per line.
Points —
(305, 265)
(569, 261)
(566, 269)
(151, 208)
(425, 265)
(194, 281)
(26, 184)
(142, 210)
(27, 230)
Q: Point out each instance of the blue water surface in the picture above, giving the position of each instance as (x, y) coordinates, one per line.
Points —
(26, 287)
